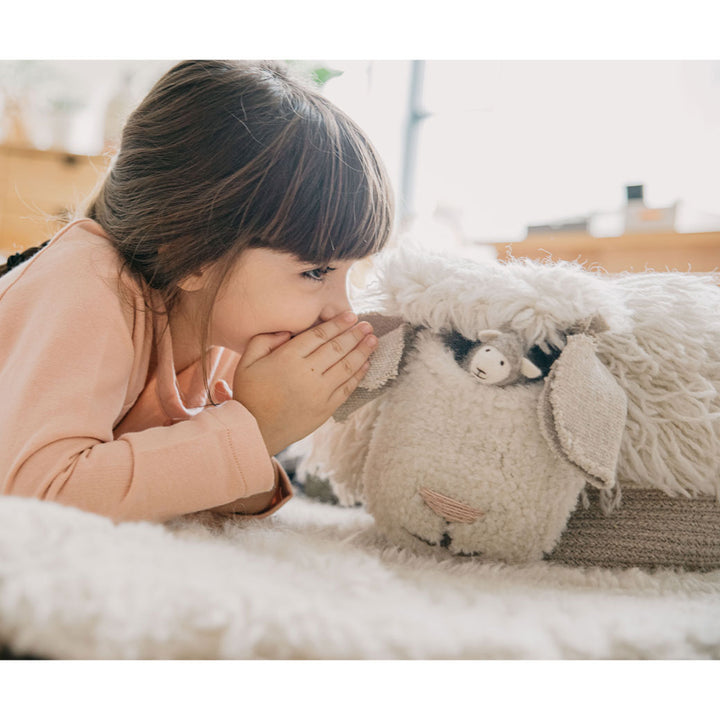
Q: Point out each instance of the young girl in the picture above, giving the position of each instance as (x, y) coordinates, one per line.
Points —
(158, 352)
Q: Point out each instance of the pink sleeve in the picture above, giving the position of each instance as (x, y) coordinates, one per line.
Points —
(66, 356)
(262, 504)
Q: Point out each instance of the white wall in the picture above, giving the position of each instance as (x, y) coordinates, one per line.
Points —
(517, 143)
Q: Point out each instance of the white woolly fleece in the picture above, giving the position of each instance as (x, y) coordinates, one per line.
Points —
(669, 366)
(537, 300)
(317, 582)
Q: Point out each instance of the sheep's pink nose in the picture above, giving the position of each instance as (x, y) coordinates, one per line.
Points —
(446, 507)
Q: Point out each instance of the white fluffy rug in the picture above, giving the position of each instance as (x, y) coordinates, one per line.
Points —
(315, 581)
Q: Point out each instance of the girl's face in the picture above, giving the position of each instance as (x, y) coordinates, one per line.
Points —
(270, 291)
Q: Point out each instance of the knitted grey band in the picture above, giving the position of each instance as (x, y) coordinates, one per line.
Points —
(649, 529)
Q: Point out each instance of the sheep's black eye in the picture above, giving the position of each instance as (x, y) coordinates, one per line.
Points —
(502, 362)
(487, 349)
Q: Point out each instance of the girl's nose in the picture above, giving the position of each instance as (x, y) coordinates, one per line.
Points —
(337, 302)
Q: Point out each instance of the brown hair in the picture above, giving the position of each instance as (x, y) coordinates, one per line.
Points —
(20, 257)
(221, 156)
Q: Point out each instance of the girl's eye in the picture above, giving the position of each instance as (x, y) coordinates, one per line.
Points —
(318, 274)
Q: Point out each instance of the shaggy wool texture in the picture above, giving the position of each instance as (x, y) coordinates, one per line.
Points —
(316, 581)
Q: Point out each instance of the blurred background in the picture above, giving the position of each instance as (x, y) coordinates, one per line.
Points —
(610, 162)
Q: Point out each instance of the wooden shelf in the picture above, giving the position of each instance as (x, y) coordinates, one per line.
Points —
(39, 189)
(634, 252)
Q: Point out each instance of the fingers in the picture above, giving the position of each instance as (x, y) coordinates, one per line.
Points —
(343, 392)
(309, 341)
(338, 348)
(349, 364)
(262, 345)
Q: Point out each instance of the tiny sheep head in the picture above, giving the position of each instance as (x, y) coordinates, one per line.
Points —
(495, 358)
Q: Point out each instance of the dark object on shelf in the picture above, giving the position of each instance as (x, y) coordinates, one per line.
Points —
(579, 225)
(634, 192)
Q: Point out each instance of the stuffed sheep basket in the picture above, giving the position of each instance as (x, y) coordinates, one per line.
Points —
(526, 411)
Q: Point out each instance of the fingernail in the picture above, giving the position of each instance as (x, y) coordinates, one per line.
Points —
(349, 317)
(371, 340)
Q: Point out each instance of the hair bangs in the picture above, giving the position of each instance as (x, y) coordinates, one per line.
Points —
(337, 203)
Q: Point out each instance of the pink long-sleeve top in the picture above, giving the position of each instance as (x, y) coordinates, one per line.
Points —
(92, 411)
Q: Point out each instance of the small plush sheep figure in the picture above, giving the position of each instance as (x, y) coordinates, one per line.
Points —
(497, 358)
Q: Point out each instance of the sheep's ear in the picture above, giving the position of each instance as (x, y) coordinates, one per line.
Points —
(487, 335)
(394, 339)
(583, 410)
(529, 369)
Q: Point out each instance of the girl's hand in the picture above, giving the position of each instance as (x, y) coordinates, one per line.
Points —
(293, 385)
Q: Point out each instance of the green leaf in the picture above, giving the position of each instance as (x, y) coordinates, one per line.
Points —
(315, 70)
(321, 75)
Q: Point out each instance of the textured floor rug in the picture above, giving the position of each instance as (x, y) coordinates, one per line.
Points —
(315, 581)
